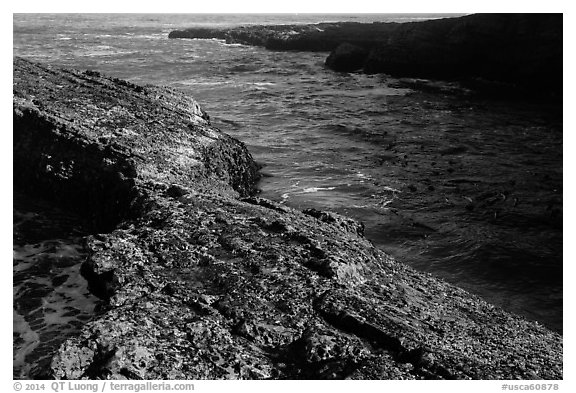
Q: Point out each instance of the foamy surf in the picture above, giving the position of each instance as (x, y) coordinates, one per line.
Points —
(316, 189)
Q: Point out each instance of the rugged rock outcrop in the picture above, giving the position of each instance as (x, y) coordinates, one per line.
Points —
(89, 141)
(203, 281)
(522, 50)
(321, 37)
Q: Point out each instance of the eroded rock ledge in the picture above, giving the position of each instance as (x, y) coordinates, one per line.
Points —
(204, 281)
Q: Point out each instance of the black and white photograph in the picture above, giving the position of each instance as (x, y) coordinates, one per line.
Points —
(287, 196)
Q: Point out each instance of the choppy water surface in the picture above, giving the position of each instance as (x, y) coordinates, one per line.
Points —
(467, 189)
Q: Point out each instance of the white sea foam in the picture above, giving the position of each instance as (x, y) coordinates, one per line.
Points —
(391, 189)
(362, 176)
(159, 36)
(316, 189)
(196, 82)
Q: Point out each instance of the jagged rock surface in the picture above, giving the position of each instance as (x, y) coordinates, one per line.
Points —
(92, 141)
(204, 281)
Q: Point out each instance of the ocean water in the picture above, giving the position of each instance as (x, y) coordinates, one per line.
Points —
(467, 189)
(51, 299)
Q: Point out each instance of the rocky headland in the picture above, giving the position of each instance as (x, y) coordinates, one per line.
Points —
(498, 52)
(201, 279)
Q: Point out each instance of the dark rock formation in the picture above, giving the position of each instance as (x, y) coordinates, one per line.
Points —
(203, 281)
(321, 37)
(524, 51)
(200, 33)
(347, 58)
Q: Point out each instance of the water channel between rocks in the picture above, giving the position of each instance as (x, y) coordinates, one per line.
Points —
(51, 300)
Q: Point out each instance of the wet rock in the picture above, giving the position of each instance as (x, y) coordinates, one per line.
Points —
(202, 281)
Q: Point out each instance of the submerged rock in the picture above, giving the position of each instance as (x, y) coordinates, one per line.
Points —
(203, 281)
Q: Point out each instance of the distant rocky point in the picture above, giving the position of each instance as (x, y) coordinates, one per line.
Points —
(201, 279)
(524, 51)
(321, 37)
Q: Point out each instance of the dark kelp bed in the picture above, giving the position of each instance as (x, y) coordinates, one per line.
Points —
(202, 280)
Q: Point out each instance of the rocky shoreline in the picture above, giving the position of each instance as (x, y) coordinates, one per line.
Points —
(204, 280)
(496, 53)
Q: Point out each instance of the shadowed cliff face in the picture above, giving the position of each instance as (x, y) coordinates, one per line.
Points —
(522, 50)
(202, 281)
